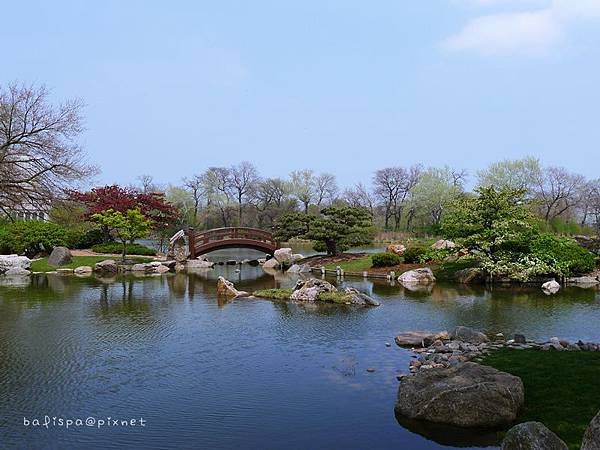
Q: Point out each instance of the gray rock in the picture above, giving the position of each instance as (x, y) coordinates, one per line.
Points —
(60, 256)
(271, 264)
(309, 290)
(420, 338)
(520, 339)
(227, 289)
(551, 287)
(466, 395)
(443, 244)
(8, 262)
(106, 266)
(17, 271)
(360, 298)
(83, 270)
(532, 436)
(304, 268)
(470, 276)
(587, 281)
(469, 335)
(591, 438)
(417, 276)
(284, 256)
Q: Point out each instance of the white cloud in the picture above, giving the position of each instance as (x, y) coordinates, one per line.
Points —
(534, 32)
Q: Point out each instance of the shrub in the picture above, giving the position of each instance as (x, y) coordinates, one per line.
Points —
(385, 260)
(415, 254)
(117, 248)
(31, 237)
(432, 254)
(565, 255)
(78, 238)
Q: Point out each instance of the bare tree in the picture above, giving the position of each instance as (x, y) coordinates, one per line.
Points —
(39, 153)
(557, 191)
(147, 185)
(243, 180)
(196, 186)
(359, 196)
(392, 186)
(217, 185)
(325, 187)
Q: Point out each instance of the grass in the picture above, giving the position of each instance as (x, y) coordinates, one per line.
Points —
(354, 265)
(334, 297)
(561, 388)
(275, 294)
(41, 265)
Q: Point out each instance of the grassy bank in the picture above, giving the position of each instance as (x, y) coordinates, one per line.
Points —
(561, 388)
(41, 265)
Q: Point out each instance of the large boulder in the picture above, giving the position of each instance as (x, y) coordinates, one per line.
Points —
(60, 256)
(396, 249)
(226, 288)
(284, 256)
(309, 290)
(470, 276)
(591, 438)
(296, 268)
(106, 266)
(417, 276)
(532, 436)
(419, 338)
(8, 262)
(271, 264)
(355, 297)
(83, 270)
(464, 395)
(551, 287)
(469, 335)
(583, 281)
(297, 257)
(443, 244)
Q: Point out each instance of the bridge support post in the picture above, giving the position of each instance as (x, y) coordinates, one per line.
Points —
(192, 242)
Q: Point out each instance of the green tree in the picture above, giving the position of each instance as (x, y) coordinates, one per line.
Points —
(125, 227)
(336, 229)
(511, 174)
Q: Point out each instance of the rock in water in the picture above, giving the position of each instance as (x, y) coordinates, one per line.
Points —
(470, 276)
(227, 288)
(465, 395)
(284, 256)
(417, 276)
(106, 266)
(83, 270)
(360, 298)
(591, 438)
(271, 264)
(469, 335)
(60, 256)
(532, 436)
(309, 290)
(443, 244)
(11, 262)
(551, 287)
(415, 339)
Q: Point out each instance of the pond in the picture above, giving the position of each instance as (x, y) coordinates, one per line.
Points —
(250, 373)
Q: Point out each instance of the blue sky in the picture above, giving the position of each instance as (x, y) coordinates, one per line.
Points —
(335, 85)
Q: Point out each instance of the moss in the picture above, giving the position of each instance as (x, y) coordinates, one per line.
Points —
(561, 388)
(275, 294)
(334, 297)
(353, 265)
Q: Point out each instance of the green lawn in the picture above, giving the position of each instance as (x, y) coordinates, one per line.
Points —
(561, 388)
(355, 265)
(42, 265)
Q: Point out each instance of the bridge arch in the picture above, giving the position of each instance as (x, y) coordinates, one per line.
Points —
(203, 242)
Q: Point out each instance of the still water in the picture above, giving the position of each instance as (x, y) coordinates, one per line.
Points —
(204, 373)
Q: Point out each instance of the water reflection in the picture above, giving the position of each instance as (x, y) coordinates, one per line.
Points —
(229, 374)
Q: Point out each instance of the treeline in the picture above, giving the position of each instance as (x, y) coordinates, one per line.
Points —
(412, 199)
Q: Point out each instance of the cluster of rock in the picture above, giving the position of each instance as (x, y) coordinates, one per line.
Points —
(227, 289)
(110, 266)
(14, 265)
(284, 257)
(443, 349)
(310, 291)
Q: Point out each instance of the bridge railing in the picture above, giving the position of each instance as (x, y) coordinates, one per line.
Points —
(198, 239)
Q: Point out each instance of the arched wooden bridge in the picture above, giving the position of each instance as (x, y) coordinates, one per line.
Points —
(238, 237)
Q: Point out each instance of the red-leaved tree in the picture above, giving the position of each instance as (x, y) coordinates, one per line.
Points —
(152, 205)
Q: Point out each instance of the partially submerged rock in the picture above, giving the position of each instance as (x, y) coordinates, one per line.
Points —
(470, 275)
(466, 334)
(60, 256)
(199, 264)
(150, 268)
(83, 270)
(284, 256)
(271, 264)
(583, 281)
(532, 436)
(591, 438)
(417, 276)
(11, 262)
(419, 338)
(465, 395)
(304, 268)
(106, 266)
(359, 298)
(551, 287)
(227, 289)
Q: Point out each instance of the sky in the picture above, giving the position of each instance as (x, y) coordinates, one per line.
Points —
(340, 86)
